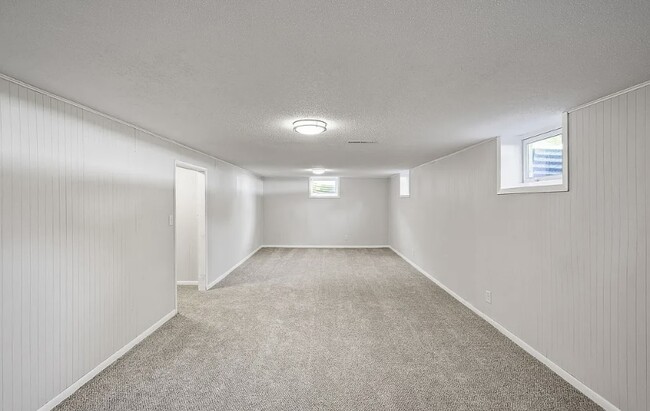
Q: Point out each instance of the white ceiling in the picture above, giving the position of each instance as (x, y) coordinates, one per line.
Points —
(423, 78)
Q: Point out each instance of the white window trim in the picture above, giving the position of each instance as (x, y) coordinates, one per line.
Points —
(408, 173)
(541, 186)
(323, 178)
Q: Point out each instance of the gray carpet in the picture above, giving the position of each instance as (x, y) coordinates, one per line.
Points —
(306, 329)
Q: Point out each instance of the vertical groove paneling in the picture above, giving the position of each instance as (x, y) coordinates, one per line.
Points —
(5, 244)
(641, 251)
(567, 271)
(86, 258)
(606, 167)
(646, 137)
(612, 151)
(631, 253)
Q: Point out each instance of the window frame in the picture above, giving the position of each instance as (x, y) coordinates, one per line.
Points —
(525, 161)
(324, 178)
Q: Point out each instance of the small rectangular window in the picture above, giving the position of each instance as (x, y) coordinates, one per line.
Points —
(323, 187)
(543, 158)
(405, 183)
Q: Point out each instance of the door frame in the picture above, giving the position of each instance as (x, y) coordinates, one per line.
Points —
(202, 285)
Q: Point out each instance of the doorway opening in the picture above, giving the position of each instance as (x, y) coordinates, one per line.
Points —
(190, 225)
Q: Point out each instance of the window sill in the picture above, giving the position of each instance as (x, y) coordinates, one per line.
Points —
(553, 186)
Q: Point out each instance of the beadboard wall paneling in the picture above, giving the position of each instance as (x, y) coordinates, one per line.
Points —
(86, 254)
(568, 271)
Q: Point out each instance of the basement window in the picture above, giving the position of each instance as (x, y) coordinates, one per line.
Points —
(542, 158)
(535, 162)
(323, 187)
(405, 183)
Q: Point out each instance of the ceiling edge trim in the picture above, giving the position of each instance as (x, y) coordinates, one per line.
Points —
(126, 123)
(487, 140)
(610, 96)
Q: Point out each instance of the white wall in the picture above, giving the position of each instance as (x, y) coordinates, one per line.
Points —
(187, 225)
(568, 271)
(86, 250)
(358, 217)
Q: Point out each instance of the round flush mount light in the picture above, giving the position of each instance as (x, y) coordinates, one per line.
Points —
(309, 127)
(318, 171)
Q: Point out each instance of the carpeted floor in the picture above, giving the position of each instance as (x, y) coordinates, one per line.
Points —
(344, 329)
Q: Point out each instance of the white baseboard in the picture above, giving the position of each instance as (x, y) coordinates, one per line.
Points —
(595, 397)
(234, 267)
(183, 282)
(110, 360)
(325, 246)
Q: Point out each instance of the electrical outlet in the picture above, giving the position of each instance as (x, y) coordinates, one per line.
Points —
(488, 296)
(171, 219)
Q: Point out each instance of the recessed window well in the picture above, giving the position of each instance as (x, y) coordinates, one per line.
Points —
(534, 163)
(309, 126)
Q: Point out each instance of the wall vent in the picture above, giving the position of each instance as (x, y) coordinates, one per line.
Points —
(361, 142)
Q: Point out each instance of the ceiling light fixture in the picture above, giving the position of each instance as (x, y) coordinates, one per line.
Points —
(318, 171)
(309, 127)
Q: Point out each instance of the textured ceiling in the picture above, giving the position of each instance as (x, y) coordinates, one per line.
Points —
(422, 78)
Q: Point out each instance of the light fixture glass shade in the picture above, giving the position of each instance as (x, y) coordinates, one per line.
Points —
(309, 127)
(318, 171)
